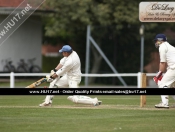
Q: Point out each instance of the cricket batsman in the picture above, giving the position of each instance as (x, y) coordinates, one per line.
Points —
(167, 66)
(68, 74)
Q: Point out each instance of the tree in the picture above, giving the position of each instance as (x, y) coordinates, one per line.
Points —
(119, 39)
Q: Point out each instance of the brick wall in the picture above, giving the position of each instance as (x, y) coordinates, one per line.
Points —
(10, 3)
(46, 49)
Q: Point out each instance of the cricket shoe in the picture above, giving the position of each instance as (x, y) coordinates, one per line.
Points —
(45, 104)
(98, 102)
(162, 105)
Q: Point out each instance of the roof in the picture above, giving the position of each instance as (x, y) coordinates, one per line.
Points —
(16, 6)
(50, 49)
(12, 10)
(10, 3)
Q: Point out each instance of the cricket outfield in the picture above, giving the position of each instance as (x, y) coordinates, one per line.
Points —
(117, 113)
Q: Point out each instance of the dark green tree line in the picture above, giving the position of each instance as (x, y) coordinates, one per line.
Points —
(114, 26)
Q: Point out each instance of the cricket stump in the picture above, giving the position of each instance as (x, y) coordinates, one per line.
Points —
(143, 85)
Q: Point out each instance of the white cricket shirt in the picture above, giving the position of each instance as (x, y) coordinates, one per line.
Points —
(167, 53)
(71, 66)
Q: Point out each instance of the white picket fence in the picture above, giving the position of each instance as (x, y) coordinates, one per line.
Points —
(12, 76)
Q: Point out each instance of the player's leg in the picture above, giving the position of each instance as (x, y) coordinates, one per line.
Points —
(173, 96)
(80, 99)
(166, 82)
(74, 83)
(49, 98)
(62, 82)
(57, 83)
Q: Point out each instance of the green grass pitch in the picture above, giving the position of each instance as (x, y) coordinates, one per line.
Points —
(116, 114)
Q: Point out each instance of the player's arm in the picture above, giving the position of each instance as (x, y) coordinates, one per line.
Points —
(53, 72)
(59, 66)
(65, 68)
(162, 53)
(162, 66)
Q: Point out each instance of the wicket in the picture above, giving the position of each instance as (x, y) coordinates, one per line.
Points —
(143, 85)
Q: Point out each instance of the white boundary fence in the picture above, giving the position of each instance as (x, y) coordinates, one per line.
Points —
(12, 76)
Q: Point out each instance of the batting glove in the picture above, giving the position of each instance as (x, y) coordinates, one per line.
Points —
(48, 78)
(158, 77)
(52, 72)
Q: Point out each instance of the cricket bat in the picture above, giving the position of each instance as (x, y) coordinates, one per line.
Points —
(37, 83)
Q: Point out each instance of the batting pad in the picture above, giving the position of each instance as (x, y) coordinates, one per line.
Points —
(80, 99)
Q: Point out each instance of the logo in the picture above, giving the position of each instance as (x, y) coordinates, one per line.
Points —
(157, 11)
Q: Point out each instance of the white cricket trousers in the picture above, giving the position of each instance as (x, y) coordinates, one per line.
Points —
(80, 99)
(62, 82)
(167, 80)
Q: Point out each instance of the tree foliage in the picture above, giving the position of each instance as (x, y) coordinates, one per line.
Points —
(114, 26)
(80, 13)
